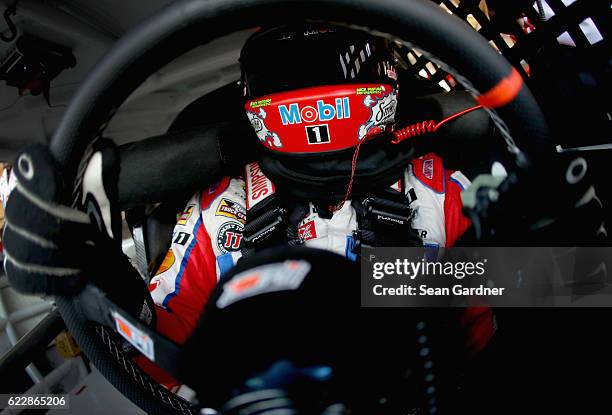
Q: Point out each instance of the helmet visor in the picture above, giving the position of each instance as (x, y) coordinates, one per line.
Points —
(281, 60)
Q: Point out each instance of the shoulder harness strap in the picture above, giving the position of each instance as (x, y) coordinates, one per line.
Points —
(268, 223)
(385, 219)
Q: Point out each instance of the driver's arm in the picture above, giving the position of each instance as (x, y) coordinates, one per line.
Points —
(205, 243)
(193, 264)
(438, 218)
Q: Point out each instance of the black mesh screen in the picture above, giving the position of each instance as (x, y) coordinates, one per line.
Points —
(560, 47)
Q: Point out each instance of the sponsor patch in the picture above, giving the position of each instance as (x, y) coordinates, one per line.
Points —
(294, 114)
(308, 231)
(335, 116)
(283, 276)
(184, 216)
(370, 90)
(137, 338)
(167, 262)
(232, 210)
(229, 237)
(258, 186)
(397, 186)
(428, 168)
(181, 238)
(382, 113)
(318, 134)
(260, 103)
(258, 121)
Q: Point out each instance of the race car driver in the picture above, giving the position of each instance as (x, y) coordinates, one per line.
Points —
(322, 103)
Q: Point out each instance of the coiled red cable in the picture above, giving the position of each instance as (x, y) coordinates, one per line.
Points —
(427, 127)
(424, 127)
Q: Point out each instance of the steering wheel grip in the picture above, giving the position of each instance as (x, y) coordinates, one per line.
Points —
(188, 23)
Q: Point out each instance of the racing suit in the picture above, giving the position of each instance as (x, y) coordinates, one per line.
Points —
(207, 236)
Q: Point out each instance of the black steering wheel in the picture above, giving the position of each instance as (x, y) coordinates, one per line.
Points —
(189, 23)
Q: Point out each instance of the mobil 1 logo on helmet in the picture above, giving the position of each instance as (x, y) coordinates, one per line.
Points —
(319, 133)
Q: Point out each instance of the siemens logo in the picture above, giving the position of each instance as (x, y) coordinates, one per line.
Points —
(323, 112)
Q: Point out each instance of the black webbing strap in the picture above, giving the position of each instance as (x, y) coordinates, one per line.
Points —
(263, 230)
(273, 222)
(385, 220)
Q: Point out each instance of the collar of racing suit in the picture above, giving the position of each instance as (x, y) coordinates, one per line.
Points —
(324, 178)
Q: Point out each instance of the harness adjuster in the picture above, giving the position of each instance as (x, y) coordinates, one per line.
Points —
(387, 212)
(264, 227)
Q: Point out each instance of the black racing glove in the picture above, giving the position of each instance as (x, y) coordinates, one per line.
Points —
(53, 249)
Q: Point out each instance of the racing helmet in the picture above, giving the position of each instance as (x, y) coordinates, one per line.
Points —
(317, 89)
(319, 97)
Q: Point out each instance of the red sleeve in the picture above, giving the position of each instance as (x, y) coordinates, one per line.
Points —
(195, 283)
(455, 222)
(477, 321)
(194, 278)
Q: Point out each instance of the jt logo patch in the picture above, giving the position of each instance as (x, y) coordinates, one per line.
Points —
(229, 237)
